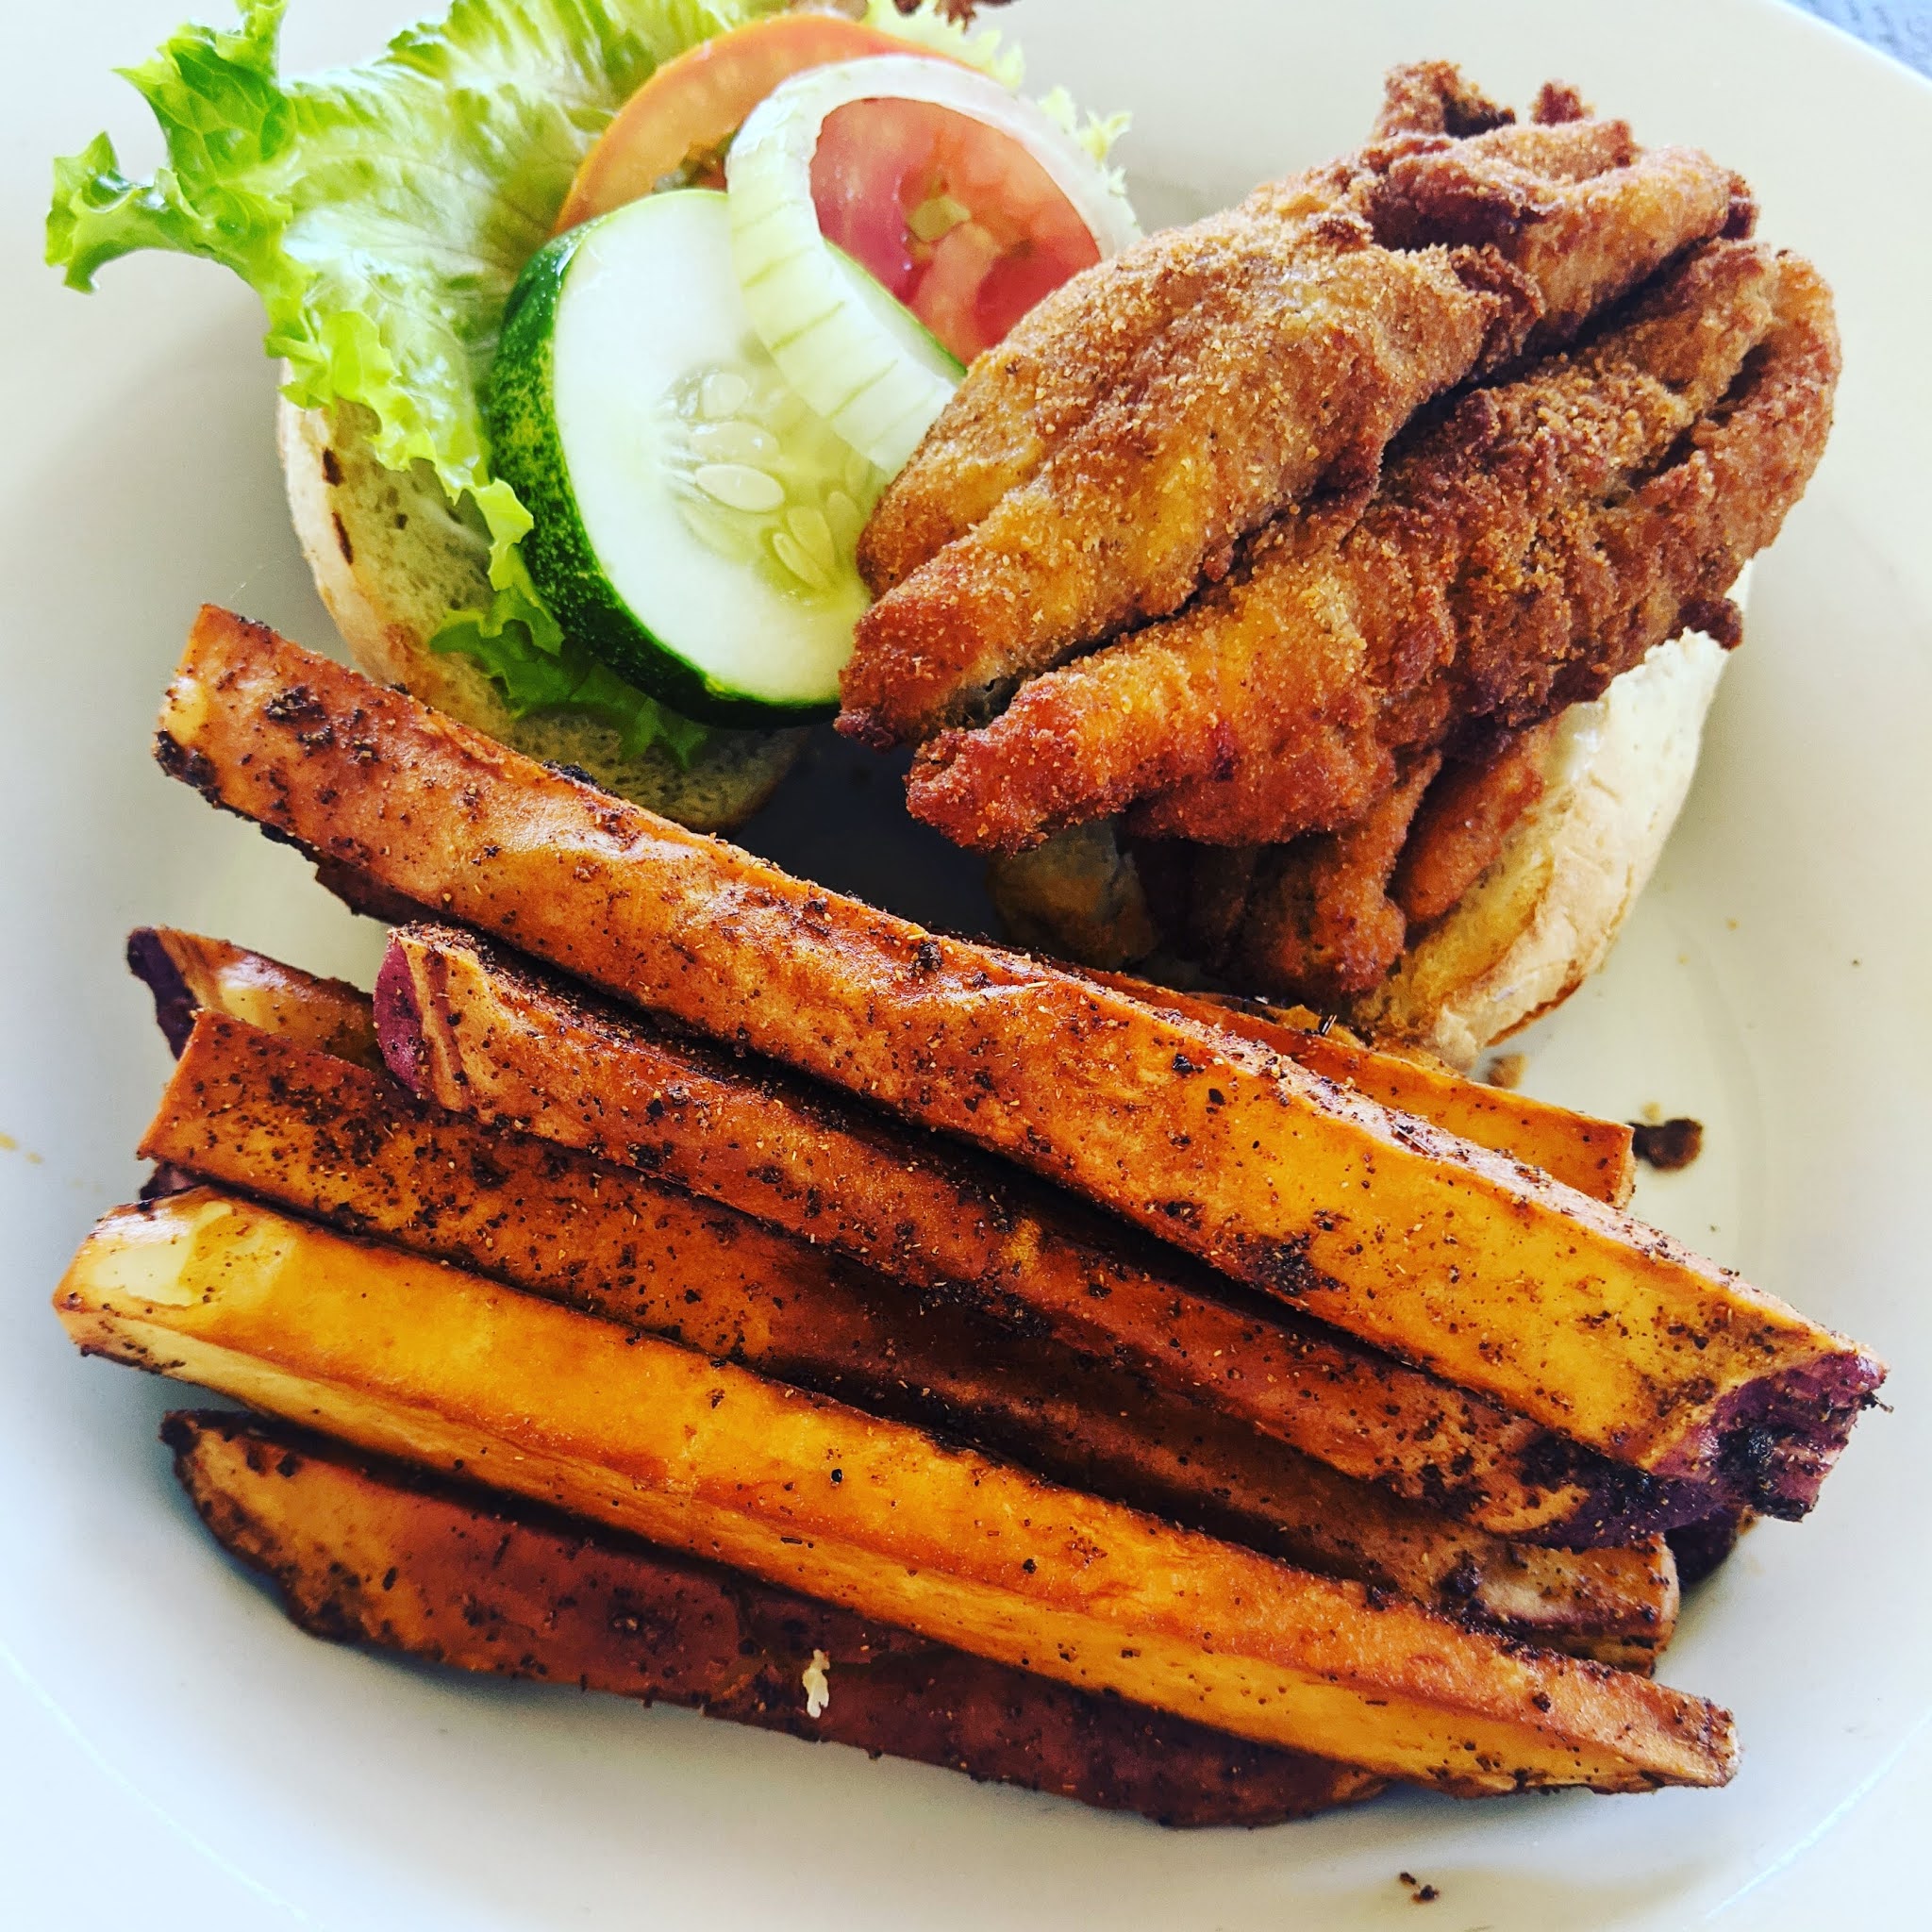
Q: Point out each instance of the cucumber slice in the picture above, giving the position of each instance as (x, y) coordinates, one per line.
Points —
(695, 523)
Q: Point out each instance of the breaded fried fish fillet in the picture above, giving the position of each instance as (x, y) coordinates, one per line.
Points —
(1024, 398)
(1165, 404)
(1300, 349)
(1021, 400)
(1523, 551)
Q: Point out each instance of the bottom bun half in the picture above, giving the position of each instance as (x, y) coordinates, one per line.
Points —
(391, 558)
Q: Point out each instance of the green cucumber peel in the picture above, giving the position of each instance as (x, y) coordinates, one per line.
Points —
(694, 523)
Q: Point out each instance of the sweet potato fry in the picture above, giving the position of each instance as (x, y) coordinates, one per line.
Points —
(1458, 1259)
(410, 1358)
(492, 1041)
(1358, 1412)
(1593, 1157)
(188, 973)
(367, 1553)
(296, 1128)
(1350, 1408)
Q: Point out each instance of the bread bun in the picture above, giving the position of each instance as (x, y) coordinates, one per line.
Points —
(391, 558)
(1531, 929)
(1544, 915)
(1078, 897)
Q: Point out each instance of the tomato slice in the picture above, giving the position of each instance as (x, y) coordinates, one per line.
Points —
(956, 218)
(673, 131)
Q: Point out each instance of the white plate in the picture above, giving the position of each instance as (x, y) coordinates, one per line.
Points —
(176, 1754)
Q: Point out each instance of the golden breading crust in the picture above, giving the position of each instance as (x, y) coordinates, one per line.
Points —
(1024, 398)
(1320, 916)
(1434, 98)
(1215, 375)
(1462, 823)
(1533, 545)
(1303, 348)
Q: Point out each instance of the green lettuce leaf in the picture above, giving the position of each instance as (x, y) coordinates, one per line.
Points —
(383, 213)
(931, 28)
(538, 668)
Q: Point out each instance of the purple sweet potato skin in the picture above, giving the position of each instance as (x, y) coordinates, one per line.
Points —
(1779, 1438)
(174, 1006)
(398, 1022)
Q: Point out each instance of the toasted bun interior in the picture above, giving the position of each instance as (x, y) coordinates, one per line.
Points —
(391, 558)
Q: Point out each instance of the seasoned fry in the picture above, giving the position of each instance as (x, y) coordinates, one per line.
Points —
(188, 974)
(1593, 1157)
(410, 1358)
(1453, 1257)
(494, 1042)
(293, 1126)
(379, 1554)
